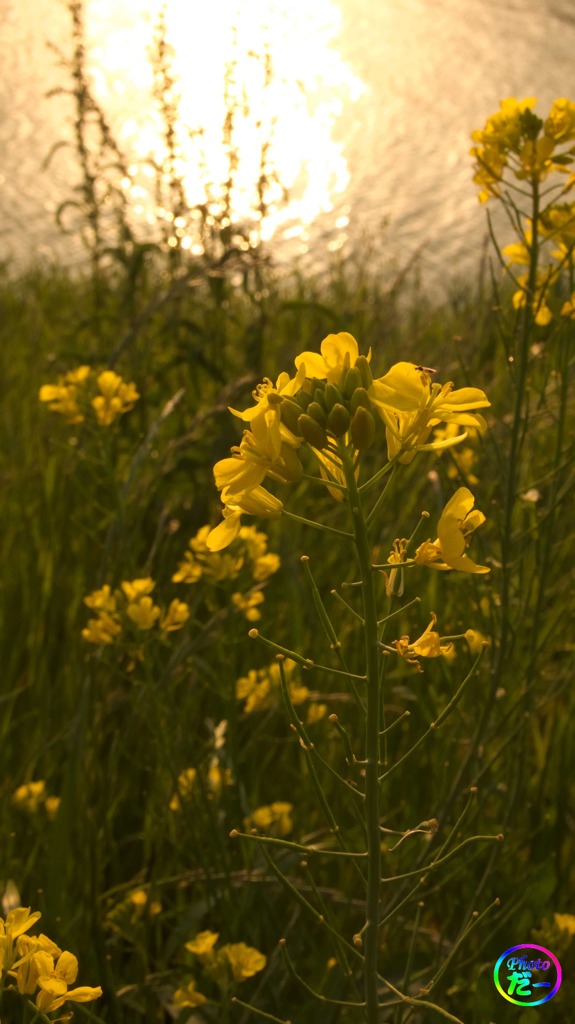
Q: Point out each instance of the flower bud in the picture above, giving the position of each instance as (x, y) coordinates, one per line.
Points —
(318, 397)
(317, 413)
(360, 397)
(351, 381)
(303, 399)
(364, 368)
(338, 420)
(333, 396)
(362, 429)
(290, 412)
(312, 432)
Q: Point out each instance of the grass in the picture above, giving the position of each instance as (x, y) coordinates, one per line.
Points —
(83, 507)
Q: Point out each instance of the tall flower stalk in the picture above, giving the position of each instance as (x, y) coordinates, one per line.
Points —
(319, 425)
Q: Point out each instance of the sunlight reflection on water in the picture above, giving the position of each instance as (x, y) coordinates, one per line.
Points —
(373, 106)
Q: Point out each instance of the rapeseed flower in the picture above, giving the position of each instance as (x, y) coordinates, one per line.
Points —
(339, 352)
(274, 819)
(243, 961)
(116, 397)
(427, 646)
(103, 630)
(410, 405)
(175, 617)
(30, 795)
(248, 604)
(184, 788)
(457, 522)
(54, 977)
(188, 995)
(203, 943)
(63, 396)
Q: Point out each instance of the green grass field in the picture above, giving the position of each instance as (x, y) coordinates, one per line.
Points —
(132, 862)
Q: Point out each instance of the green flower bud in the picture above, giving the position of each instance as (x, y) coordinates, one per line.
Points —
(338, 420)
(360, 397)
(318, 397)
(317, 412)
(351, 381)
(290, 412)
(333, 396)
(364, 368)
(303, 399)
(362, 429)
(312, 432)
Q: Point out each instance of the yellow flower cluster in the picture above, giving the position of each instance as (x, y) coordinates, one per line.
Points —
(261, 691)
(71, 395)
(274, 819)
(333, 398)
(127, 912)
(515, 138)
(247, 555)
(37, 965)
(30, 796)
(211, 783)
(131, 604)
(230, 964)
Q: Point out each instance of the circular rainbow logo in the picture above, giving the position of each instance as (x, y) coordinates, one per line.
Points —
(527, 975)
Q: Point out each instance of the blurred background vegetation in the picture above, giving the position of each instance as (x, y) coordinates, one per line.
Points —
(121, 877)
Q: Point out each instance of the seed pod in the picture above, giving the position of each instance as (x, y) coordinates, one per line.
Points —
(332, 396)
(351, 381)
(317, 413)
(318, 397)
(290, 412)
(362, 429)
(360, 397)
(338, 420)
(364, 368)
(312, 432)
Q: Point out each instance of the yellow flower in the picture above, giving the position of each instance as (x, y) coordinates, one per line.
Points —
(248, 604)
(265, 566)
(176, 616)
(256, 692)
(476, 640)
(218, 777)
(338, 353)
(560, 125)
(17, 922)
(102, 630)
(275, 818)
(63, 396)
(143, 613)
(568, 308)
(184, 788)
(102, 600)
(427, 646)
(188, 996)
(52, 805)
(565, 922)
(457, 522)
(25, 970)
(243, 961)
(135, 589)
(315, 713)
(202, 945)
(116, 397)
(54, 978)
(268, 396)
(255, 502)
(30, 795)
(410, 405)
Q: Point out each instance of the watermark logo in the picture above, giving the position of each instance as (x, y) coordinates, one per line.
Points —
(527, 975)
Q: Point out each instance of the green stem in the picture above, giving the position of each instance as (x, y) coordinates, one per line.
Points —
(372, 811)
